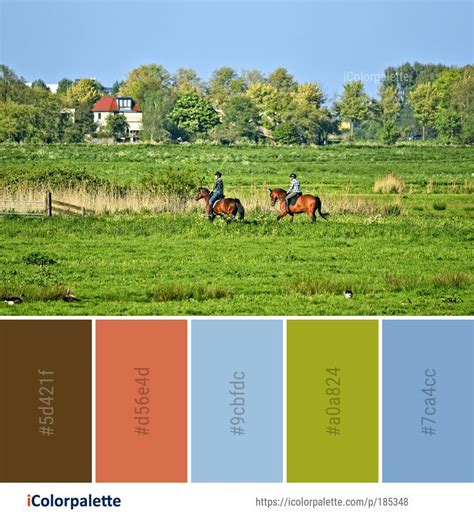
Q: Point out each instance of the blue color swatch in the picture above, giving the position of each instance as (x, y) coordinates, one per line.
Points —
(428, 401)
(236, 419)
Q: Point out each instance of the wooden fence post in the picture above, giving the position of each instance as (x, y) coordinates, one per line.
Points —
(48, 205)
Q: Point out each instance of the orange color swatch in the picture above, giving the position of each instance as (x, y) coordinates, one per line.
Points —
(141, 411)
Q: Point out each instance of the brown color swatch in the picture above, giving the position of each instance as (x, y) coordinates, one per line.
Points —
(45, 401)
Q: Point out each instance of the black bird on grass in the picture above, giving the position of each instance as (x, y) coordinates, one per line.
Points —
(14, 300)
(69, 297)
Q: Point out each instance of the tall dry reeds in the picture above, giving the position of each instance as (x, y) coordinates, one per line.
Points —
(391, 183)
(137, 200)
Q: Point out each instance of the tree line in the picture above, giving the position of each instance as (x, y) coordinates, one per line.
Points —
(414, 101)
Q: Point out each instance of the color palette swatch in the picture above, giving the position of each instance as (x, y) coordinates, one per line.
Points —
(45, 402)
(428, 401)
(237, 400)
(141, 412)
(332, 403)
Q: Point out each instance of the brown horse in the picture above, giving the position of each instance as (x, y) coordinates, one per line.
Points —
(309, 204)
(223, 207)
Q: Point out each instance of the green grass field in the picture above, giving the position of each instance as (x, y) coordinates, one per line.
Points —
(413, 257)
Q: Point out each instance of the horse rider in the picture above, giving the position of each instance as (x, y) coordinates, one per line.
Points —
(294, 190)
(218, 190)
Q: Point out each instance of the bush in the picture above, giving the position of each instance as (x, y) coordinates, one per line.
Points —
(287, 134)
(38, 258)
(173, 183)
(50, 179)
(439, 206)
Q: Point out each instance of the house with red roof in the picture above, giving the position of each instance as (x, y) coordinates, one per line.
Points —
(109, 106)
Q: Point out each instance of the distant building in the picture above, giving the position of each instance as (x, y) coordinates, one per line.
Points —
(107, 106)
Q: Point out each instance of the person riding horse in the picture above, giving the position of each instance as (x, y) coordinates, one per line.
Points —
(218, 190)
(293, 191)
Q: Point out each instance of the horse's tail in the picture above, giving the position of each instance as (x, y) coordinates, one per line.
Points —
(318, 208)
(240, 209)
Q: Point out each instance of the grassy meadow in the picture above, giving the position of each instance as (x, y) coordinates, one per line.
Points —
(400, 232)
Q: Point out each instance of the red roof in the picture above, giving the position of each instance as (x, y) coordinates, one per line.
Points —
(136, 107)
(105, 104)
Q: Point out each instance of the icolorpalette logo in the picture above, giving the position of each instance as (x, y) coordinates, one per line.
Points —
(51, 501)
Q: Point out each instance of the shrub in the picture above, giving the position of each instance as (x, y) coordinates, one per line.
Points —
(38, 258)
(439, 206)
(50, 179)
(287, 134)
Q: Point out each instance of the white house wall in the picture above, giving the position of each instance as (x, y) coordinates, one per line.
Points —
(134, 119)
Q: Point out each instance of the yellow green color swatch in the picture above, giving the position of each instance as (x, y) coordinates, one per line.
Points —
(332, 401)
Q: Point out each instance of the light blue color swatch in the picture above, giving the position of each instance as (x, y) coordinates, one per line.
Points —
(437, 357)
(236, 380)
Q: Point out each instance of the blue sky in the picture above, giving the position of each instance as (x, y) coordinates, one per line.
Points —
(325, 41)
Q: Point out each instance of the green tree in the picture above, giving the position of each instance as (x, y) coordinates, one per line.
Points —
(425, 99)
(157, 125)
(448, 125)
(17, 121)
(251, 77)
(224, 84)
(428, 72)
(287, 133)
(309, 94)
(83, 125)
(402, 78)
(84, 91)
(463, 100)
(242, 118)
(116, 88)
(271, 103)
(39, 84)
(390, 106)
(186, 80)
(63, 86)
(144, 79)
(193, 113)
(313, 124)
(282, 80)
(12, 87)
(354, 104)
(116, 126)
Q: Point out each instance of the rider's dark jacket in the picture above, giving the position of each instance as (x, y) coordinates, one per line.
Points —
(219, 187)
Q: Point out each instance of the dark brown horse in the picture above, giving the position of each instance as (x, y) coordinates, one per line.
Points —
(309, 204)
(224, 207)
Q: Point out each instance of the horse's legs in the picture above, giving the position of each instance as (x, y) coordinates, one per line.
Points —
(280, 216)
(292, 218)
(312, 215)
